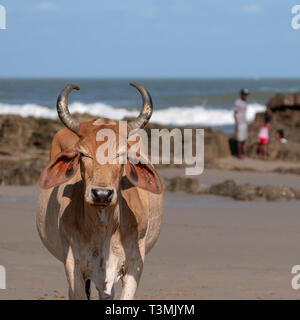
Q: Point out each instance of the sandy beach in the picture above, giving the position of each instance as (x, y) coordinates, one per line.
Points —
(210, 247)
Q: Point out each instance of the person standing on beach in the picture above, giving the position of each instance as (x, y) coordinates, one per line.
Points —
(241, 125)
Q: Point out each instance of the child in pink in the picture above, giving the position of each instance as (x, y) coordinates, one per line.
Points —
(263, 136)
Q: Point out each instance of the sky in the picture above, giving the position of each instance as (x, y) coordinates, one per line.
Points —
(149, 38)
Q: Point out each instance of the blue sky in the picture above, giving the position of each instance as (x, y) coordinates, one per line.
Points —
(149, 38)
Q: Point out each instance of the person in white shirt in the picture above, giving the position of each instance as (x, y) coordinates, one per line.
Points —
(240, 118)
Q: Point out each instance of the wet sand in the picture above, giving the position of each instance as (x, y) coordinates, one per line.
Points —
(210, 248)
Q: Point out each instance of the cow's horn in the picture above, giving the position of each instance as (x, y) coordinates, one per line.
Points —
(63, 111)
(145, 115)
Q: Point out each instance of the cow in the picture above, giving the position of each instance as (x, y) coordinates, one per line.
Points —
(98, 219)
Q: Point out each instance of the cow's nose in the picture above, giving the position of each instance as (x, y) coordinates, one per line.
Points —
(102, 195)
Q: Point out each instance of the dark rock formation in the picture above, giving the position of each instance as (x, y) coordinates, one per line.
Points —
(287, 170)
(21, 173)
(274, 193)
(225, 189)
(183, 184)
(19, 136)
(30, 138)
(33, 136)
(282, 102)
(229, 188)
(284, 110)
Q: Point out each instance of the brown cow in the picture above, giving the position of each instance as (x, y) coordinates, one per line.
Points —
(99, 220)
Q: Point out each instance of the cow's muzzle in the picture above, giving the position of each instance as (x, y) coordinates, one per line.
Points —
(102, 196)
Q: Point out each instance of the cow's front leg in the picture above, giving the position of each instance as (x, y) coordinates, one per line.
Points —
(133, 272)
(77, 289)
(107, 276)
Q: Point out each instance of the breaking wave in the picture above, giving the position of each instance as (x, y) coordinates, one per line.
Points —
(177, 116)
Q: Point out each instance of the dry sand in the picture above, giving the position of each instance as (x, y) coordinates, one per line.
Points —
(210, 247)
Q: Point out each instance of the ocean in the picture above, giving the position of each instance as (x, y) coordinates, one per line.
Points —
(180, 102)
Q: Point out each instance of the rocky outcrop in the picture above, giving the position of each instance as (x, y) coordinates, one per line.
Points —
(229, 188)
(21, 172)
(30, 138)
(215, 145)
(276, 150)
(274, 193)
(282, 102)
(33, 136)
(287, 170)
(186, 185)
(284, 110)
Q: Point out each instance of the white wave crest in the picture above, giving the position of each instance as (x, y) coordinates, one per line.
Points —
(95, 109)
(200, 115)
(197, 115)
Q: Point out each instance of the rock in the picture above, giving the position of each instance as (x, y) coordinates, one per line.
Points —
(215, 145)
(173, 184)
(191, 185)
(203, 189)
(274, 193)
(296, 193)
(282, 102)
(245, 192)
(34, 135)
(287, 170)
(290, 124)
(184, 184)
(238, 192)
(229, 188)
(21, 173)
(284, 110)
(260, 191)
(31, 138)
(226, 188)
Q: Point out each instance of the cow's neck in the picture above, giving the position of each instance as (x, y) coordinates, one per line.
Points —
(105, 221)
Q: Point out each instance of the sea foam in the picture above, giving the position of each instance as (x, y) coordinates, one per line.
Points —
(174, 115)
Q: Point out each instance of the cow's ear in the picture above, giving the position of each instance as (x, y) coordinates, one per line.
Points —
(60, 170)
(144, 176)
